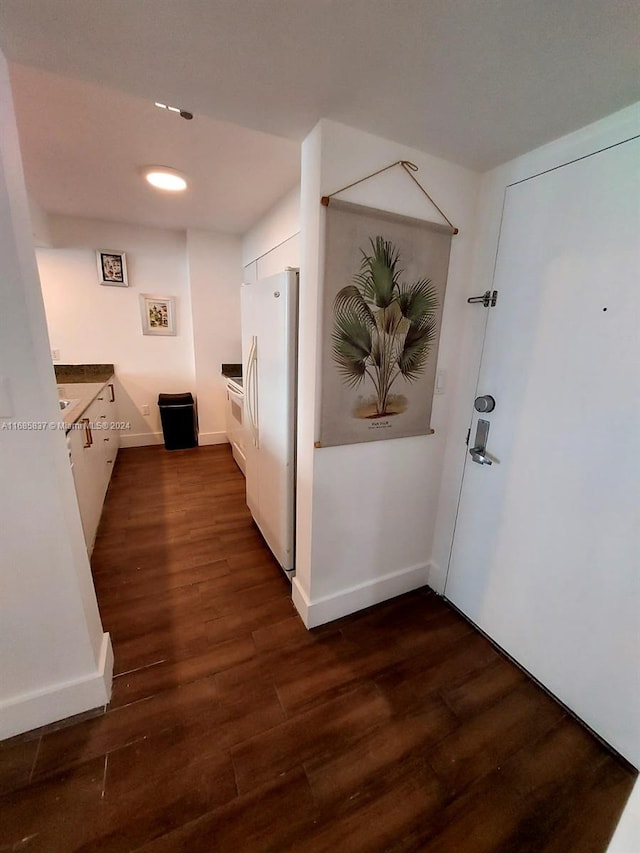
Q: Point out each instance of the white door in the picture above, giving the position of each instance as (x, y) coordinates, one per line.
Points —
(546, 556)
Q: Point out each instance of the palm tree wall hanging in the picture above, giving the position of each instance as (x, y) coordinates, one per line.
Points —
(384, 286)
(384, 328)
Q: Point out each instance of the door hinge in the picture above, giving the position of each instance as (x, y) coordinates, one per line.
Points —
(488, 299)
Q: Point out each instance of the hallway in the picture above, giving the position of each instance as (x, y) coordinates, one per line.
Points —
(232, 728)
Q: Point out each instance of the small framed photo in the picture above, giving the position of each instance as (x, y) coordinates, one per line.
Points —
(112, 268)
(158, 314)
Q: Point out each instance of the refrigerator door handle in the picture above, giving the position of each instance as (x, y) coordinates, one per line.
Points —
(254, 384)
(248, 388)
(252, 390)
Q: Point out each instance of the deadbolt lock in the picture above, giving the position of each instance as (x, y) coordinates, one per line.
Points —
(486, 403)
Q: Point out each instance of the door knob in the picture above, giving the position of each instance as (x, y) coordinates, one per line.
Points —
(486, 403)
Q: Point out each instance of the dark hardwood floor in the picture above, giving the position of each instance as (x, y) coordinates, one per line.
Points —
(232, 728)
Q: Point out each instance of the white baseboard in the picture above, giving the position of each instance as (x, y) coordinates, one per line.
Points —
(374, 591)
(212, 438)
(144, 439)
(140, 439)
(59, 701)
(437, 578)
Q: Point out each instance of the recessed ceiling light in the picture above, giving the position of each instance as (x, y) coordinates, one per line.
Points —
(165, 178)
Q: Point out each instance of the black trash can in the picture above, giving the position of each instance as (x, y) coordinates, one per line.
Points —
(178, 416)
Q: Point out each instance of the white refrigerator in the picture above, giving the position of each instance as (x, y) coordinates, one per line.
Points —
(269, 352)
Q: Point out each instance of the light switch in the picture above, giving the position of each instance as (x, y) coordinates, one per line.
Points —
(441, 381)
(6, 402)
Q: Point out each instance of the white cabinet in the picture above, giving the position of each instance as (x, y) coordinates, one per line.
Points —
(87, 460)
(81, 465)
(105, 438)
(93, 444)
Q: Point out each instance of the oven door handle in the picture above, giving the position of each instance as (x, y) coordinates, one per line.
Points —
(235, 395)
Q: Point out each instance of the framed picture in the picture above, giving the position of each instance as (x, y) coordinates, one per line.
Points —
(112, 268)
(158, 314)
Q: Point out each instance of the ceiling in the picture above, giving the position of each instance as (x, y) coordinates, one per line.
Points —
(83, 146)
(475, 81)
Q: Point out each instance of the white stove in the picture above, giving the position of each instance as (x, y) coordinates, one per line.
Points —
(235, 417)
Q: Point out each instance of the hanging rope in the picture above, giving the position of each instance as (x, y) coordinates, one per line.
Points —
(409, 168)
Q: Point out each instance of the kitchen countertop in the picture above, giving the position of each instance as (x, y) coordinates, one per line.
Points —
(231, 371)
(82, 395)
(83, 373)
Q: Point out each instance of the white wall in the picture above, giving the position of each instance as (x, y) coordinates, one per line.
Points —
(366, 512)
(39, 223)
(89, 322)
(215, 276)
(55, 660)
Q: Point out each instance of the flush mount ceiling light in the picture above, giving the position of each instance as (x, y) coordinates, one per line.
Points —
(165, 178)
